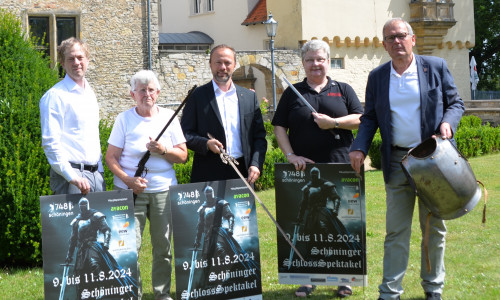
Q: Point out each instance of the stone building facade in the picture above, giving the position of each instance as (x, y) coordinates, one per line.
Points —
(116, 33)
(123, 37)
(179, 71)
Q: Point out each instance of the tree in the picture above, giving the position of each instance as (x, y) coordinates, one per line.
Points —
(487, 45)
(24, 76)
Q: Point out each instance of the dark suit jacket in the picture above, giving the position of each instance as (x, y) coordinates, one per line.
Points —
(201, 116)
(439, 102)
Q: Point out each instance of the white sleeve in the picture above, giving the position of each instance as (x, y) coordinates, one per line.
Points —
(52, 119)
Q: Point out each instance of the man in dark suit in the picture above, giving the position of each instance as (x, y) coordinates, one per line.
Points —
(232, 116)
(410, 99)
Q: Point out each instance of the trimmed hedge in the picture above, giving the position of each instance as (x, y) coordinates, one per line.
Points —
(25, 75)
(472, 138)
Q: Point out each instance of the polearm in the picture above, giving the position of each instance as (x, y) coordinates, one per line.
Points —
(142, 163)
(228, 159)
(64, 280)
(307, 104)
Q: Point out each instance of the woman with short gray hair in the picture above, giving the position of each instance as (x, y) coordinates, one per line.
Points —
(128, 141)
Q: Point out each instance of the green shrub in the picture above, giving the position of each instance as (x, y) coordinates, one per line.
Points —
(475, 141)
(183, 171)
(271, 138)
(266, 180)
(468, 141)
(374, 152)
(472, 138)
(469, 121)
(105, 127)
(25, 76)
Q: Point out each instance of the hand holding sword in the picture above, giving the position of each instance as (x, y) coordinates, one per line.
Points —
(216, 147)
(304, 101)
(228, 159)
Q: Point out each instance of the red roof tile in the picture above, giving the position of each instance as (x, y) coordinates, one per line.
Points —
(257, 15)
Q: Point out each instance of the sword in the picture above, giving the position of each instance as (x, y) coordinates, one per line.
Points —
(294, 242)
(228, 159)
(64, 280)
(337, 137)
(191, 272)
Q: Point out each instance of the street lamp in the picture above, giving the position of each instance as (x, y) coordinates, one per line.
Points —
(271, 28)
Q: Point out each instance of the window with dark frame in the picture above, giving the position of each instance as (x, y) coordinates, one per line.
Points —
(50, 29)
(197, 8)
(39, 28)
(210, 5)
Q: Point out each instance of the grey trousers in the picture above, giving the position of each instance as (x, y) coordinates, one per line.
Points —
(400, 203)
(59, 185)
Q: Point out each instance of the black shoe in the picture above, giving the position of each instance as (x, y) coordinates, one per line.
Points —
(398, 298)
(432, 296)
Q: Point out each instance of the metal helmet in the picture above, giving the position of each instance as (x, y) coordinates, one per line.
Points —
(209, 195)
(84, 205)
(315, 174)
(442, 178)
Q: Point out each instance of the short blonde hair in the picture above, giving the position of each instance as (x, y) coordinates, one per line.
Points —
(68, 43)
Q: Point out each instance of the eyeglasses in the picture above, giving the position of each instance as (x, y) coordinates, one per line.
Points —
(144, 91)
(400, 36)
(319, 60)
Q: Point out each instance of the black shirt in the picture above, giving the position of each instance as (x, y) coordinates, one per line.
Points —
(336, 99)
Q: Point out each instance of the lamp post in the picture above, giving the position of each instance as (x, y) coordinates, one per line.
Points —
(271, 28)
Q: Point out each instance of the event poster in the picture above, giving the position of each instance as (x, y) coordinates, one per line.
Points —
(89, 246)
(322, 210)
(216, 241)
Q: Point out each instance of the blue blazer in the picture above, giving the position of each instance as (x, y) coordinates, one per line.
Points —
(439, 102)
(201, 115)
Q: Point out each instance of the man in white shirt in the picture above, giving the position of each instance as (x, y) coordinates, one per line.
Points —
(231, 115)
(69, 117)
(410, 98)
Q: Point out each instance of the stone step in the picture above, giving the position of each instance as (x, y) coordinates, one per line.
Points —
(482, 104)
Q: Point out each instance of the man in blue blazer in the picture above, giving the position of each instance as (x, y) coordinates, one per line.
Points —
(410, 99)
(231, 115)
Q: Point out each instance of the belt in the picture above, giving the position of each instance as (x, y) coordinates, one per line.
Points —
(81, 167)
(400, 148)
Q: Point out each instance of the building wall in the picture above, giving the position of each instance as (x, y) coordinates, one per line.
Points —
(223, 25)
(116, 33)
(341, 23)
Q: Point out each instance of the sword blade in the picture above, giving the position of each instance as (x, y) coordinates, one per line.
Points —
(299, 95)
(63, 283)
(337, 137)
(294, 241)
(265, 208)
(227, 159)
(191, 272)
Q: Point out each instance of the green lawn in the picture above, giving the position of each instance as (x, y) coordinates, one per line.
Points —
(472, 252)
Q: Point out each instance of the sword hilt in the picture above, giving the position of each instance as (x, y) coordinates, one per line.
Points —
(226, 158)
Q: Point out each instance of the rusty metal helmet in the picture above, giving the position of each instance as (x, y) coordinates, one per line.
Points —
(442, 178)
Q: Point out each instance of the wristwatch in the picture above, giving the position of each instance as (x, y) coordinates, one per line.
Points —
(336, 123)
